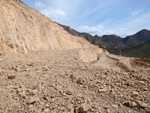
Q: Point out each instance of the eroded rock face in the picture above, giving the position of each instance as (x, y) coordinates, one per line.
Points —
(24, 29)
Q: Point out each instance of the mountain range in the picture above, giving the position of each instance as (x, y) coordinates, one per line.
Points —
(128, 46)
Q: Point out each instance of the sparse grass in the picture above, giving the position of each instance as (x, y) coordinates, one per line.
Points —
(142, 51)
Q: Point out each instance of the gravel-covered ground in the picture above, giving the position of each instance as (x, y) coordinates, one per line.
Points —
(59, 82)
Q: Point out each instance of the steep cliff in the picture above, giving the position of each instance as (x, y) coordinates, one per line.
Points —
(23, 29)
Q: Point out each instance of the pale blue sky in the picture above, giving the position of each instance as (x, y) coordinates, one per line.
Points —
(120, 17)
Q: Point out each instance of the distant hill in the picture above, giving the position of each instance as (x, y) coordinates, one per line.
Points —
(117, 45)
(137, 39)
(142, 51)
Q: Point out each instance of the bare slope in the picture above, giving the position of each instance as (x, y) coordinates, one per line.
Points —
(24, 29)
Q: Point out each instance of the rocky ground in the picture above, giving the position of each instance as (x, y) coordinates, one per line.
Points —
(59, 82)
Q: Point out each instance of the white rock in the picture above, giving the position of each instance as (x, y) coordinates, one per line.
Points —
(102, 90)
(135, 93)
(22, 94)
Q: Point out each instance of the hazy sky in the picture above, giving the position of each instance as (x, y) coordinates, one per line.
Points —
(121, 17)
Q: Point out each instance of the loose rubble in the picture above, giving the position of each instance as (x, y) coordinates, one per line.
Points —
(59, 82)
